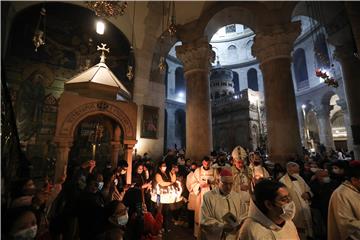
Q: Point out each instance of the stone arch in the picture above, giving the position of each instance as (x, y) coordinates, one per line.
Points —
(226, 14)
(68, 125)
(74, 108)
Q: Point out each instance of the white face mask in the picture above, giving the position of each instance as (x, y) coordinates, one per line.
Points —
(326, 179)
(123, 219)
(101, 185)
(296, 175)
(314, 169)
(288, 211)
(123, 172)
(163, 169)
(28, 233)
(336, 170)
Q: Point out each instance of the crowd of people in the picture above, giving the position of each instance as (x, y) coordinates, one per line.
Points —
(226, 196)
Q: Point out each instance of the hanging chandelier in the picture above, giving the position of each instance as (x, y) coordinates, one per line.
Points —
(107, 8)
(131, 62)
(172, 26)
(39, 34)
(325, 68)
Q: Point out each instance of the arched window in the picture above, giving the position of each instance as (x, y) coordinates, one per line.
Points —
(236, 82)
(252, 79)
(180, 126)
(300, 69)
(179, 80)
(232, 53)
(321, 52)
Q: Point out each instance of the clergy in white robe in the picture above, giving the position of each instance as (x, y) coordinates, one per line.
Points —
(344, 207)
(241, 180)
(222, 210)
(301, 194)
(269, 217)
(204, 179)
(257, 171)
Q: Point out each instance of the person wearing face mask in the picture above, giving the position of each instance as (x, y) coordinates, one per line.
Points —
(301, 194)
(222, 210)
(322, 188)
(91, 209)
(117, 217)
(270, 213)
(190, 181)
(205, 179)
(164, 179)
(344, 208)
(120, 175)
(338, 172)
(257, 171)
(21, 224)
(23, 193)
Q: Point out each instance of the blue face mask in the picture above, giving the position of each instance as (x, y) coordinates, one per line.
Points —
(101, 185)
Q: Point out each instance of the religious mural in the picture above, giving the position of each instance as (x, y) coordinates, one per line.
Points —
(36, 78)
(149, 126)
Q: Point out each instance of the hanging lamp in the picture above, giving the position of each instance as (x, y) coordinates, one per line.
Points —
(40, 34)
(130, 72)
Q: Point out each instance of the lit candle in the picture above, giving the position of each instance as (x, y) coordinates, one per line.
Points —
(93, 151)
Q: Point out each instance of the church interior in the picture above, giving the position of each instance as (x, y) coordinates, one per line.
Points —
(82, 81)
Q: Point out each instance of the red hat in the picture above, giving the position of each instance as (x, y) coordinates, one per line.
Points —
(226, 174)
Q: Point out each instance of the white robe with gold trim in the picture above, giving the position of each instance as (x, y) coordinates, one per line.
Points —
(214, 207)
(344, 213)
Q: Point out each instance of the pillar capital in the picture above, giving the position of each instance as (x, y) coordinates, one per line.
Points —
(197, 55)
(276, 41)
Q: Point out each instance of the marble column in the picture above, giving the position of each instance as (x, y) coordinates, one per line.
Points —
(272, 48)
(350, 66)
(342, 103)
(63, 149)
(196, 58)
(325, 129)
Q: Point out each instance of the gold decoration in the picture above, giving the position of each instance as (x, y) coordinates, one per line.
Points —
(130, 73)
(39, 35)
(107, 8)
(162, 65)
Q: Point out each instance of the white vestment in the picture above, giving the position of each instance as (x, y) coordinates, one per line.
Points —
(202, 176)
(213, 209)
(302, 218)
(241, 177)
(344, 213)
(257, 226)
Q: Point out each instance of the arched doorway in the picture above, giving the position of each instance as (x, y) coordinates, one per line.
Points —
(92, 140)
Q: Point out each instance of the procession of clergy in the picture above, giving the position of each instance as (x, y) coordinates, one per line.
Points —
(242, 201)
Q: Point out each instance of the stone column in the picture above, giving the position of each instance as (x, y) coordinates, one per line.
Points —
(350, 66)
(196, 58)
(342, 103)
(353, 14)
(115, 146)
(63, 149)
(129, 145)
(272, 48)
(325, 130)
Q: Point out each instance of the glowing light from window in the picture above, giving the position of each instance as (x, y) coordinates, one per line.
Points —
(100, 27)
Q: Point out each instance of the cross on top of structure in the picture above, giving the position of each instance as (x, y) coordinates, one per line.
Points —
(103, 49)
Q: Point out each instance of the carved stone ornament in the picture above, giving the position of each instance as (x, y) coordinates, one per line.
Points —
(275, 42)
(102, 106)
(196, 55)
